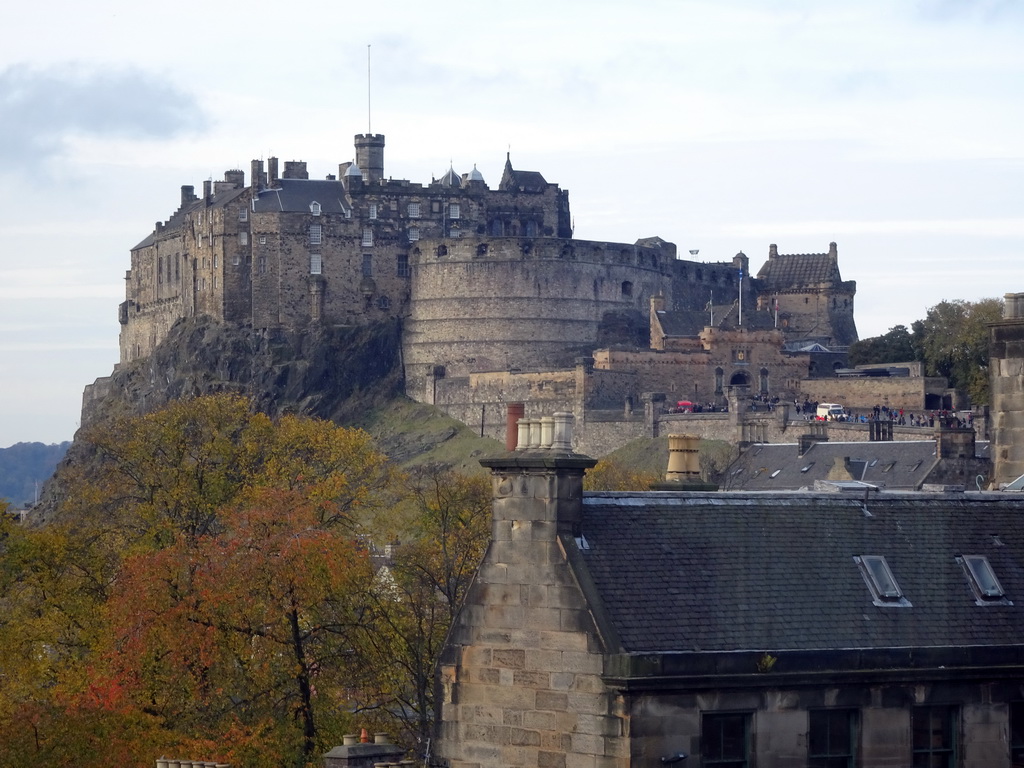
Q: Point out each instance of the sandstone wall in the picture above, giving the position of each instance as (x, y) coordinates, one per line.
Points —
(906, 392)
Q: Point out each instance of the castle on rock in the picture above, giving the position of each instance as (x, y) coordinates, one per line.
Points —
(485, 282)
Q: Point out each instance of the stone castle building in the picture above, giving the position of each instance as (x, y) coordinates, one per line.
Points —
(484, 280)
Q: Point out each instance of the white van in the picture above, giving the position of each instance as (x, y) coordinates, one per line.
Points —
(831, 412)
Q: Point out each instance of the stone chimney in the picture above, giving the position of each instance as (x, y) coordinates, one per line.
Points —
(954, 442)
(271, 171)
(356, 753)
(188, 194)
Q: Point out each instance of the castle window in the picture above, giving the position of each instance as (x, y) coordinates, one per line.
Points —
(383, 302)
(627, 288)
(214, 282)
(454, 211)
(263, 239)
(414, 234)
(367, 265)
(314, 208)
(367, 237)
(262, 265)
(160, 270)
(373, 210)
(403, 265)
(243, 238)
(215, 261)
(243, 214)
(315, 234)
(435, 206)
(315, 264)
(414, 210)
(177, 268)
(237, 259)
(348, 213)
(719, 380)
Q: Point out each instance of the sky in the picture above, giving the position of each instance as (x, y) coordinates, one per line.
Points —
(894, 128)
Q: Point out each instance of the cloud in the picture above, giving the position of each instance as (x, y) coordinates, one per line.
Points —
(43, 108)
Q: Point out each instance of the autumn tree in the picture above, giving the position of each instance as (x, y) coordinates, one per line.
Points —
(239, 532)
(419, 590)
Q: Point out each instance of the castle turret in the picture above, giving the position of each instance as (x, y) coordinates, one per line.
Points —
(370, 156)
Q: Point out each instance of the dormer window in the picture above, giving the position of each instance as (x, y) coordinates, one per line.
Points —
(314, 208)
(982, 578)
(882, 584)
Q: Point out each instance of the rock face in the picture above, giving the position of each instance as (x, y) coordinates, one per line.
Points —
(325, 372)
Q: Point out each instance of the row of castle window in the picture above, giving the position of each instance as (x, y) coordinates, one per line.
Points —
(413, 211)
(316, 265)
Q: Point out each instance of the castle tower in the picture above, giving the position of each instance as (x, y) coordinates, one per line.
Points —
(370, 156)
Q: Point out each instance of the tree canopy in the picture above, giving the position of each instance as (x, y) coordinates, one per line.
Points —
(211, 587)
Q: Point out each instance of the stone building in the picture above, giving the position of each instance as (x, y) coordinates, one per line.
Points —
(286, 250)
(1006, 374)
(780, 630)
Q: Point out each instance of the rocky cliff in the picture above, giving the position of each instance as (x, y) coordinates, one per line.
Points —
(327, 372)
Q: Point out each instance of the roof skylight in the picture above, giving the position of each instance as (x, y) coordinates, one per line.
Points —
(877, 575)
(982, 578)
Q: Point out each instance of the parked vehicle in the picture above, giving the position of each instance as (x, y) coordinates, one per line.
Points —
(831, 412)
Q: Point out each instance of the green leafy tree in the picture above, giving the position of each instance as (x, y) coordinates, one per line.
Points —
(895, 346)
(953, 339)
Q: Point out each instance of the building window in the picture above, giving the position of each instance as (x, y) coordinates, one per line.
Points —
(367, 265)
(934, 737)
(373, 210)
(719, 380)
(160, 271)
(832, 738)
(454, 211)
(877, 575)
(262, 266)
(725, 740)
(764, 381)
(315, 263)
(214, 282)
(403, 265)
(627, 289)
(348, 213)
(243, 238)
(236, 259)
(414, 210)
(314, 208)
(177, 268)
(383, 302)
(315, 234)
(1017, 734)
(215, 261)
(243, 214)
(414, 234)
(435, 206)
(263, 239)
(982, 578)
(367, 237)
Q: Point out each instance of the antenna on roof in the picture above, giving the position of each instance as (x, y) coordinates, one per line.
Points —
(369, 128)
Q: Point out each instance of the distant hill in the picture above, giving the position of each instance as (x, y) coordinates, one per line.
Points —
(25, 464)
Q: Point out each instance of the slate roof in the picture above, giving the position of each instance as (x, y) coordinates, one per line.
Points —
(295, 195)
(685, 572)
(902, 464)
(787, 270)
